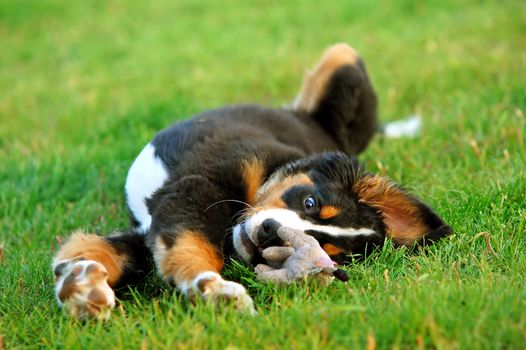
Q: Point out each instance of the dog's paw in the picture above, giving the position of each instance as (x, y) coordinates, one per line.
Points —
(211, 287)
(82, 289)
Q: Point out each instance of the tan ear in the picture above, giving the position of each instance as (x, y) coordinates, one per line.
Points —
(407, 219)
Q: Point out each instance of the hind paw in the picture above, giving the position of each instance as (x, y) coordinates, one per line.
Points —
(82, 289)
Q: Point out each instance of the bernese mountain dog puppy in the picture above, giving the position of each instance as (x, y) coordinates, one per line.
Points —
(222, 183)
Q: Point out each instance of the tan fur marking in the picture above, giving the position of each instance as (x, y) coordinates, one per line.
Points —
(400, 214)
(253, 176)
(190, 255)
(93, 247)
(332, 250)
(272, 197)
(315, 82)
(328, 211)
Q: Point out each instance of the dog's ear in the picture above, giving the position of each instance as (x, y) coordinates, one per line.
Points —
(407, 219)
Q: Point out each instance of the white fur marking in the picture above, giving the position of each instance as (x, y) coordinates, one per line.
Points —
(290, 219)
(146, 175)
(218, 290)
(207, 275)
(408, 127)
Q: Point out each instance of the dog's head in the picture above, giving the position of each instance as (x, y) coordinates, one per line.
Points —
(330, 197)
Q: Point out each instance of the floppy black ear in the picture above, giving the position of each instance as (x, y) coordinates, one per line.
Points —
(407, 218)
(339, 96)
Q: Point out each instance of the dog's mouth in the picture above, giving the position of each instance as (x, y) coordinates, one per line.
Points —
(246, 242)
(251, 238)
(245, 247)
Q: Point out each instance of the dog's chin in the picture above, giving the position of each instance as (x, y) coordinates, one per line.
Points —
(244, 246)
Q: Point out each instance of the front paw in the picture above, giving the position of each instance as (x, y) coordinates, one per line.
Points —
(211, 287)
(82, 289)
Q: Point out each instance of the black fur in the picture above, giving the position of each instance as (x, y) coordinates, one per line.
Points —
(204, 155)
(349, 108)
(139, 258)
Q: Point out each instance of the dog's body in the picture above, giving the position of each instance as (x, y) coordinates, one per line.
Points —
(222, 183)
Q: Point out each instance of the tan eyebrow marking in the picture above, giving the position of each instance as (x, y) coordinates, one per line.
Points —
(272, 197)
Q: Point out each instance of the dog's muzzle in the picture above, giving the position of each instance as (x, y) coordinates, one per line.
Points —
(267, 234)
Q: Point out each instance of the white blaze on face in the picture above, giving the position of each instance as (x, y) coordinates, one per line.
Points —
(146, 175)
(288, 218)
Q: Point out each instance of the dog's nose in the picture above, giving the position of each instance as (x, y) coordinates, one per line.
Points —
(268, 234)
(270, 226)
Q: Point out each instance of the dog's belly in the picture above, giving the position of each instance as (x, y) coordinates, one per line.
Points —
(147, 174)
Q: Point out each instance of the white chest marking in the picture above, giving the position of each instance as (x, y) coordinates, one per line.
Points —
(146, 175)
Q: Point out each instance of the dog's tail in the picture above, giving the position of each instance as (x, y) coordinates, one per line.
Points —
(407, 127)
(338, 95)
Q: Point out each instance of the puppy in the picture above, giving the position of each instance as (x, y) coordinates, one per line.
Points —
(222, 183)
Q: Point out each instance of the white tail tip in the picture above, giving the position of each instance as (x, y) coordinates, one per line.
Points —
(408, 127)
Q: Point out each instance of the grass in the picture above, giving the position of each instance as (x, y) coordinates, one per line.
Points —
(84, 85)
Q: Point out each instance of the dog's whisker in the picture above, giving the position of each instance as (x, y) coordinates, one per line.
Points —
(227, 200)
(240, 215)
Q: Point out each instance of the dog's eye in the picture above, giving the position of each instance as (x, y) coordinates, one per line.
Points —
(311, 205)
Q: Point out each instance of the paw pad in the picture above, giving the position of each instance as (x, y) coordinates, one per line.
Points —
(82, 289)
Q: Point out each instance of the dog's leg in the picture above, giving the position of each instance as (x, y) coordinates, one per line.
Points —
(87, 267)
(189, 225)
(339, 96)
(193, 264)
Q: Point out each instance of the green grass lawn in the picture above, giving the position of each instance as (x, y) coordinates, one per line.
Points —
(85, 84)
